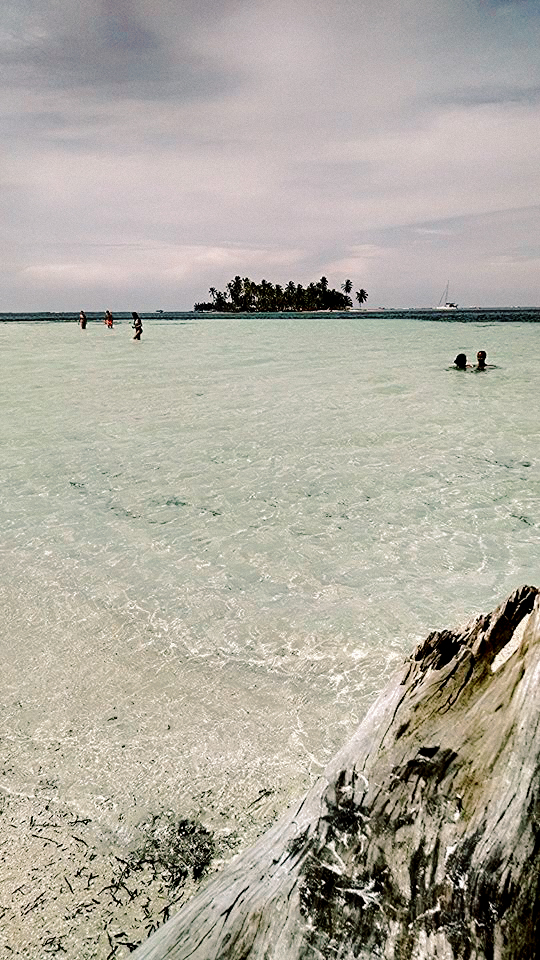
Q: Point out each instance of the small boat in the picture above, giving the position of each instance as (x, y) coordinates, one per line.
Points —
(444, 303)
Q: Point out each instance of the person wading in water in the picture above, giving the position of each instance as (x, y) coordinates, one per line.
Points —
(137, 325)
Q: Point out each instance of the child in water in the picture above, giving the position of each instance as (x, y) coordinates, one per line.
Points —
(108, 319)
(137, 325)
(82, 320)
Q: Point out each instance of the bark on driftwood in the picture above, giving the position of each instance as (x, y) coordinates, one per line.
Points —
(421, 841)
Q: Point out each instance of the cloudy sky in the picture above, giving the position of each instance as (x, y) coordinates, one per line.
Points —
(154, 148)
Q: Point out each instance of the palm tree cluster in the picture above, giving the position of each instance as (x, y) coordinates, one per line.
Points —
(246, 296)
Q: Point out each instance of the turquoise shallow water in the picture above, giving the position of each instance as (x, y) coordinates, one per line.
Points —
(217, 544)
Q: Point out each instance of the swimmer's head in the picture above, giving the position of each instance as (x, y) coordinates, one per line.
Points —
(461, 361)
(481, 357)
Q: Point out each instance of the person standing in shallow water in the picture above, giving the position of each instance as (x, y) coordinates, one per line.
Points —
(137, 325)
(108, 319)
(82, 320)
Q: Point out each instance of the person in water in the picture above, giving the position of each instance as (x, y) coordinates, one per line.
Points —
(137, 325)
(108, 319)
(481, 358)
(461, 362)
(82, 320)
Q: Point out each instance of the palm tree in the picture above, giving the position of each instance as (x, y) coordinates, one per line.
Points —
(361, 296)
(265, 296)
(235, 292)
(290, 295)
(312, 296)
(347, 287)
(220, 302)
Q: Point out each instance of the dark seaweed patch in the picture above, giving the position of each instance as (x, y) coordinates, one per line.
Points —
(174, 848)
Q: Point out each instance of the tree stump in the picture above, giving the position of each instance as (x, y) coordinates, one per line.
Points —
(421, 840)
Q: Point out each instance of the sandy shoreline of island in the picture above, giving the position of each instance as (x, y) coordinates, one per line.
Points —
(67, 888)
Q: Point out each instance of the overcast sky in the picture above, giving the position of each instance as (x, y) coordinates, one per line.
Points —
(154, 148)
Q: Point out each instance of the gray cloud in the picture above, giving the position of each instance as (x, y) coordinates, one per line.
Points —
(152, 147)
(109, 49)
(493, 95)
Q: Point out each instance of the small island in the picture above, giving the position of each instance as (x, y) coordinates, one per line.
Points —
(247, 296)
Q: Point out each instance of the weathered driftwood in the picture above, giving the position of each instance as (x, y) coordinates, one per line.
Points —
(421, 841)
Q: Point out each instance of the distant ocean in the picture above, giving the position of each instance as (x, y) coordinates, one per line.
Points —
(217, 544)
(460, 315)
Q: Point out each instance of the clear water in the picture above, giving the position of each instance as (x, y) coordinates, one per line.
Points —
(217, 544)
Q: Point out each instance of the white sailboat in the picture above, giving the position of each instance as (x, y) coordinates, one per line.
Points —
(444, 303)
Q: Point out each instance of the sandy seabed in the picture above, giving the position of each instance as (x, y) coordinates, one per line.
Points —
(67, 890)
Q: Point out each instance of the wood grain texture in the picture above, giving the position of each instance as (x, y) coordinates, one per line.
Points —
(421, 840)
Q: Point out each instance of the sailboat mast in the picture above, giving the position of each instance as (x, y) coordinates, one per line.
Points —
(444, 297)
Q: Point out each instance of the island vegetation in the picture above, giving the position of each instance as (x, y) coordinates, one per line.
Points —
(247, 296)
